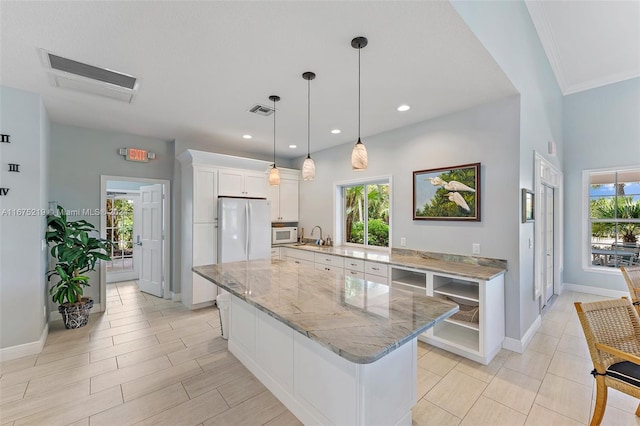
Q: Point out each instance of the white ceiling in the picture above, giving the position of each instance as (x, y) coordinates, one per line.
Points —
(589, 43)
(202, 65)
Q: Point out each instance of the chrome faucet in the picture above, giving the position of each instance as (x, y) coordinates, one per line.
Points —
(320, 241)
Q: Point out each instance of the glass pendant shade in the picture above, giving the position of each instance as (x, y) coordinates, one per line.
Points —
(308, 169)
(359, 159)
(274, 176)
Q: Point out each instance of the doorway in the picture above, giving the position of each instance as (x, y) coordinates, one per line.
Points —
(548, 259)
(137, 221)
(548, 234)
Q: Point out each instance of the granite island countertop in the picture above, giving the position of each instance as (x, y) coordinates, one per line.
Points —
(359, 320)
(464, 266)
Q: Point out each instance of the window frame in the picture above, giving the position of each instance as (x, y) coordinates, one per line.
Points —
(587, 264)
(339, 207)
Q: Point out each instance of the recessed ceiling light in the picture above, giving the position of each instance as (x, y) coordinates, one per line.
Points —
(335, 131)
(403, 108)
(247, 136)
(293, 146)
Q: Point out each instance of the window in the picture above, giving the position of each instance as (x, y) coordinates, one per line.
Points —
(120, 232)
(614, 217)
(365, 215)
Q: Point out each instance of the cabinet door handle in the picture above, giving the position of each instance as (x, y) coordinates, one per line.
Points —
(376, 269)
(328, 260)
(296, 261)
(353, 264)
(327, 269)
(353, 272)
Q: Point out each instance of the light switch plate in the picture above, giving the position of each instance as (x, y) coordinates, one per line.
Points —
(475, 248)
(403, 242)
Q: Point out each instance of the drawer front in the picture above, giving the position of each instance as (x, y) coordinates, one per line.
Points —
(298, 254)
(275, 252)
(374, 268)
(354, 264)
(299, 261)
(329, 260)
(354, 274)
(328, 268)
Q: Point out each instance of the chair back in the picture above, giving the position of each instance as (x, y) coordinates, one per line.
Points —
(631, 275)
(611, 322)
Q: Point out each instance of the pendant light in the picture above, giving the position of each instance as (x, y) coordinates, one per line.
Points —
(308, 166)
(359, 158)
(274, 174)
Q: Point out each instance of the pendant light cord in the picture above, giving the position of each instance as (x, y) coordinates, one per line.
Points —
(309, 118)
(274, 133)
(359, 49)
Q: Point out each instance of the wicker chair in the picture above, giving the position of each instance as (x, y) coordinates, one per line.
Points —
(612, 330)
(631, 275)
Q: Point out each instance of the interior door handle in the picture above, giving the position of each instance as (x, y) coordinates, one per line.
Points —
(138, 242)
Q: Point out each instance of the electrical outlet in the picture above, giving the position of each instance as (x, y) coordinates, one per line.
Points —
(475, 248)
(403, 242)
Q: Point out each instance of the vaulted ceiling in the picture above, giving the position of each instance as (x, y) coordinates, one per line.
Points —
(202, 65)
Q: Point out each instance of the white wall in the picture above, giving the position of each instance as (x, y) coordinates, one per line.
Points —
(505, 29)
(79, 156)
(601, 130)
(23, 262)
(487, 134)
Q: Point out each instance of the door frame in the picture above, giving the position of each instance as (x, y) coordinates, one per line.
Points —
(135, 196)
(547, 174)
(166, 225)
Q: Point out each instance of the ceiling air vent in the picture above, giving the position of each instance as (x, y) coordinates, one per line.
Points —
(69, 74)
(261, 110)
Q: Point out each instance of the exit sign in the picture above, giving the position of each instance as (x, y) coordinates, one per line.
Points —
(136, 154)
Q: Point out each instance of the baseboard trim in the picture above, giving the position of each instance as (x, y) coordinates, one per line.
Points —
(519, 346)
(26, 349)
(176, 297)
(598, 291)
(55, 315)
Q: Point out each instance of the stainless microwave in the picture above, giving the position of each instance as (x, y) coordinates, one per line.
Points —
(285, 234)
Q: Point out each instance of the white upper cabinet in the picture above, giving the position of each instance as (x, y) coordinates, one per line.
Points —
(285, 197)
(242, 183)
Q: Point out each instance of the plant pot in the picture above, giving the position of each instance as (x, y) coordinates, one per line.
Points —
(76, 315)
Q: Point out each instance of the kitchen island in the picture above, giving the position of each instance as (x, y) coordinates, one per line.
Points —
(334, 349)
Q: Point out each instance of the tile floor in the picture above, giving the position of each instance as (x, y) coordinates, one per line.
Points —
(151, 361)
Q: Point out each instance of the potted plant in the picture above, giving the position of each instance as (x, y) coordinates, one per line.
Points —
(76, 253)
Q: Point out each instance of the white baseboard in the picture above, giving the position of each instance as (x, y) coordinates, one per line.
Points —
(519, 346)
(598, 291)
(25, 349)
(54, 315)
(176, 297)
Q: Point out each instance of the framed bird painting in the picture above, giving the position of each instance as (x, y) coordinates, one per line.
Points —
(447, 193)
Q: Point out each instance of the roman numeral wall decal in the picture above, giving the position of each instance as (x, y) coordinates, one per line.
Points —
(4, 191)
(4, 139)
(14, 167)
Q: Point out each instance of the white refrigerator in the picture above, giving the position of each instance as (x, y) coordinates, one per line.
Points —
(244, 229)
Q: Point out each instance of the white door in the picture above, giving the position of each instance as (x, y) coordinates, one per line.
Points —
(547, 235)
(151, 254)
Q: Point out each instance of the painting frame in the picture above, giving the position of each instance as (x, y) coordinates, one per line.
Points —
(528, 205)
(448, 193)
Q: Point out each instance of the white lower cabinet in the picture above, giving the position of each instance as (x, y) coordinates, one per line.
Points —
(477, 330)
(317, 385)
(300, 257)
(275, 252)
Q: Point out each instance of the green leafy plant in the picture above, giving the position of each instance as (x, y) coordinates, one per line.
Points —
(76, 253)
